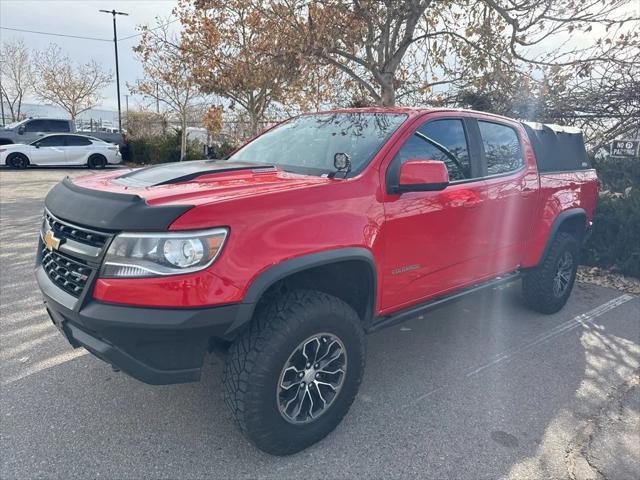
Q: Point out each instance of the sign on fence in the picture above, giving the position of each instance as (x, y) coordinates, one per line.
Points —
(625, 148)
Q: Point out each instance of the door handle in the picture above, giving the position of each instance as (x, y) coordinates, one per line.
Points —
(527, 192)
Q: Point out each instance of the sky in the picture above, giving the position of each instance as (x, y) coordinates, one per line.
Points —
(81, 18)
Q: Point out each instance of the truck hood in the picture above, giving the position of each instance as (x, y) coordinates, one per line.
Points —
(198, 182)
(152, 198)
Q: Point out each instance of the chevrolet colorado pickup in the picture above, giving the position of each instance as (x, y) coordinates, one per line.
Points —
(323, 228)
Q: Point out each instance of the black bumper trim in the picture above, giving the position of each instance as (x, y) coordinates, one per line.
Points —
(130, 365)
(154, 345)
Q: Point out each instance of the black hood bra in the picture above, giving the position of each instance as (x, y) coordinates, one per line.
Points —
(107, 210)
(121, 211)
(169, 173)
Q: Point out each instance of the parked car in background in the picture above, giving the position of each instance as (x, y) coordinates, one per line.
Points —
(31, 129)
(60, 150)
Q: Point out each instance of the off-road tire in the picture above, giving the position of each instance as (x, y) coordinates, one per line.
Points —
(19, 161)
(96, 162)
(256, 359)
(537, 283)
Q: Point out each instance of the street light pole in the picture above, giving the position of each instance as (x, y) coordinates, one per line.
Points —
(115, 44)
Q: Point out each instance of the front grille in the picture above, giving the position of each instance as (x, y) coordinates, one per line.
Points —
(79, 234)
(68, 274)
(71, 262)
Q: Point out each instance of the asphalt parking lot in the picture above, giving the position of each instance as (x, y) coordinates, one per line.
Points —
(482, 388)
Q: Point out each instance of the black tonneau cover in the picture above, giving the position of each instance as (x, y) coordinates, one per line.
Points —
(557, 148)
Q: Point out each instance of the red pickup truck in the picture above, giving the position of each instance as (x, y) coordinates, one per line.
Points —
(325, 227)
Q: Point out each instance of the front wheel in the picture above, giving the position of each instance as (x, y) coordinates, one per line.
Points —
(18, 161)
(292, 376)
(547, 287)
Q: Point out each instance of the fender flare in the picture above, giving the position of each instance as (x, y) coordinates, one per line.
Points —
(560, 219)
(277, 272)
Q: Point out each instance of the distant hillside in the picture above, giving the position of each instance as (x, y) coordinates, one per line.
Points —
(34, 110)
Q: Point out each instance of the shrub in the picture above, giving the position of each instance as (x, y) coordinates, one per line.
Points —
(617, 174)
(222, 150)
(615, 242)
(162, 149)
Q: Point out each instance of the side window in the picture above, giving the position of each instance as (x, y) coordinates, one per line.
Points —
(37, 126)
(443, 140)
(52, 141)
(77, 141)
(501, 148)
(58, 126)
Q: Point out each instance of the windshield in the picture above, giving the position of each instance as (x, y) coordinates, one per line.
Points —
(307, 144)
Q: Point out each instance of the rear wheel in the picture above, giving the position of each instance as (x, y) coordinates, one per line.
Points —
(18, 161)
(292, 376)
(547, 287)
(96, 161)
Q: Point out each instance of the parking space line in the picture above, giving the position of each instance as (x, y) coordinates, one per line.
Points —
(44, 365)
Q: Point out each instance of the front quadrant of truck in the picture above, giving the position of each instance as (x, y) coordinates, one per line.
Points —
(321, 229)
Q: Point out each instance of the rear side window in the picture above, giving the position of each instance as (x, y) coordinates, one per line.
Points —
(501, 148)
(442, 140)
(58, 126)
(77, 141)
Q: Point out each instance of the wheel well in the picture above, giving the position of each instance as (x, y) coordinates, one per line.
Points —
(350, 280)
(574, 225)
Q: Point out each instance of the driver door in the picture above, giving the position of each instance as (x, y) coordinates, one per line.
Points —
(435, 241)
(49, 151)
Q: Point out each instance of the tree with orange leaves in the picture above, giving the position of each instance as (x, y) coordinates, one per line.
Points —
(234, 55)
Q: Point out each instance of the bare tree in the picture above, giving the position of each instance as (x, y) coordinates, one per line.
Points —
(16, 76)
(73, 87)
(167, 75)
(396, 48)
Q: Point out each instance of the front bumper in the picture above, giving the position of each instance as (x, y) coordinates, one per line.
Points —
(154, 345)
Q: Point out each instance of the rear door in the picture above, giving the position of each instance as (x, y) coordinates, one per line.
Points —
(511, 189)
(435, 241)
(76, 149)
(59, 126)
(49, 150)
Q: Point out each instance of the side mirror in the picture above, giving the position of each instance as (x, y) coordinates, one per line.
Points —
(37, 145)
(418, 175)
(21, 130)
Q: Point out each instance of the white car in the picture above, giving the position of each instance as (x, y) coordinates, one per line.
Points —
(61, 150)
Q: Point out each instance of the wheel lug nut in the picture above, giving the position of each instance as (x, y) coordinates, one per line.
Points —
(317, 375)
(316, 366)
(302, 384)
(308, 365)
(301, 374)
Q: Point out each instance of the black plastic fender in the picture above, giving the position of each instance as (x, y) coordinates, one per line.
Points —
(295, 265)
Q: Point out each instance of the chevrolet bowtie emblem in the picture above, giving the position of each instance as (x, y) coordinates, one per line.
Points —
(51, 242)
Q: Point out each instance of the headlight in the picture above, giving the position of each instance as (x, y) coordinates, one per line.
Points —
(156, 254)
